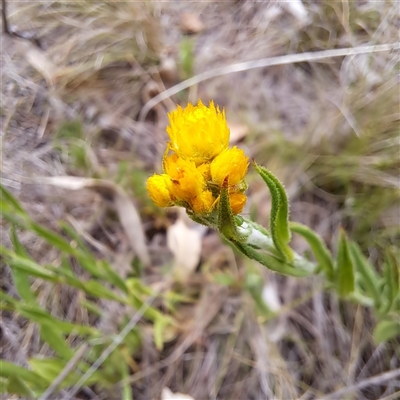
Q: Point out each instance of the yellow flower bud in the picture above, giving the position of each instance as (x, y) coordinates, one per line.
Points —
(231, 163)
(237, 201)
(204, 203)
(158, 187)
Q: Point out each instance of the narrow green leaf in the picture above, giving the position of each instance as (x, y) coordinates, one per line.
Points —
(10, 199)
(111, 276)
(391, 282)
(269, 261)
(16, 385)
(394, 272)
(8, 369)
(321, 252)
(26, 265)
(55, 339)
(345, 271)
(279, 219)
(53, 238)
(41, 316)
(158, 327)
(386, 330)
(226, 221)
(369, 278)
(49, 368)
(99, 290)
(21, 278)
(7, 298)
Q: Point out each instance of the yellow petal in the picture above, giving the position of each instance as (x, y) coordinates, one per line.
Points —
(237, 202)
(198, 133)
(204, 203)
(186, 181)
(205, 171)
(231, 163)
(158, 188)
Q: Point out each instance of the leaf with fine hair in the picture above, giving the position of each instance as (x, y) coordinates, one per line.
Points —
(269, 261)
(279, 219)
(345, 281)
(226, 220)
(368, 277)
(321, 252)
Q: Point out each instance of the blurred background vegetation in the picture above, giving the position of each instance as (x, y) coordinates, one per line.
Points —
(86, 253)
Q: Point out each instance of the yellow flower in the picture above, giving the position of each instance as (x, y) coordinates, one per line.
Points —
(204, 203)
(197, 162)
(231, 163)
(198, 133)
(187, 181)
(158, 187)
(237, 202)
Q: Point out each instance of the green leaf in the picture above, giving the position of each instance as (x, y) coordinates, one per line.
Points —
(159, 326)
(226, 220)
(99, 290)
(41, 316)
(49, 368)
(54, 337)
(345, 271)
(279, 219)
(18, 386)
(21, 278)
(28, 266)
(7, 298)
(269, 261)
(7, 197)
(111, 276)
(369, 278)
(8, 369)
(53, 238)
(391, 281)
(321, 252)
(386, 330)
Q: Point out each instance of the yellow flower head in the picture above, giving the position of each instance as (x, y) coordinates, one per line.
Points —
(237, 202)
(187, 181)
(198, 161)
(198, 133)
(158, 188)
(231, 163)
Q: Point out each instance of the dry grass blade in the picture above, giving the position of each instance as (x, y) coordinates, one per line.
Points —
(128, 215)
(65, 372)
(375, 380)
(265, 62)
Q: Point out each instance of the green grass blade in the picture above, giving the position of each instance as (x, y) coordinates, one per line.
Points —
(321, 252)
(53, 336)
(7, 197)
(345, 280)
(369, 278)
(21, 278)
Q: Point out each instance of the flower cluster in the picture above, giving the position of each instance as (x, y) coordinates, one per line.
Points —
(198, 162)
